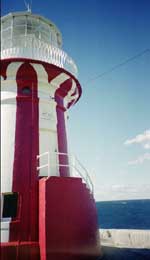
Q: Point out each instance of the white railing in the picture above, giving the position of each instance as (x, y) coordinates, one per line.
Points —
(74, 165)
(46, 165)
(30, 47)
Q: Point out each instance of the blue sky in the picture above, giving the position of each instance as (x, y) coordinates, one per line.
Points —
(109, 128)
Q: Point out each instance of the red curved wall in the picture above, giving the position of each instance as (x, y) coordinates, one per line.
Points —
(67, 220)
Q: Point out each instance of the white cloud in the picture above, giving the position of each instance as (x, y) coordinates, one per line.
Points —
(147, 146)
(140, 159)
(143, 139)
(122, 192)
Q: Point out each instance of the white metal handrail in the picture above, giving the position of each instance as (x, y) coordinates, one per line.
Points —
(28, 46)
(75, 166)
(88, 178)
(45, 165)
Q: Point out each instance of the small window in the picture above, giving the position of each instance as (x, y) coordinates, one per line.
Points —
(26, 91)
(10, 205)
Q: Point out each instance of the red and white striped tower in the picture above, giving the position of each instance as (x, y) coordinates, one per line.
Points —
(39, 84)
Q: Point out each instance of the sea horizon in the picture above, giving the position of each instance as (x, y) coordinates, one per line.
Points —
(129, 199)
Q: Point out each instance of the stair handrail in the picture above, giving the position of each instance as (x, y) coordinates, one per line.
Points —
(83, 173)
(88, 178)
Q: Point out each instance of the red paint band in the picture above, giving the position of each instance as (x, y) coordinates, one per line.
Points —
(25, 179)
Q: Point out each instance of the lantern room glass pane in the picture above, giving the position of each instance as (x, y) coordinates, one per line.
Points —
(30, 29)
(6, 33)
(19, 30)
(44, 27)
(31, 21)
(19, 20)
(45, 37)
(6, 24)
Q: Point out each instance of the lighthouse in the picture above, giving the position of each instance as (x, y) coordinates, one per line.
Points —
(48, 209)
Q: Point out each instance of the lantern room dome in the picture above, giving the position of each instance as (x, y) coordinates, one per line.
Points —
(27, 24)
(27, 35)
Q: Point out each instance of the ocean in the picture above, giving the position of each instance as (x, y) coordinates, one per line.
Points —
(124, 214)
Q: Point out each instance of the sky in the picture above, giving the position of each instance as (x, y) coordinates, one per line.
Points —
(109, 128)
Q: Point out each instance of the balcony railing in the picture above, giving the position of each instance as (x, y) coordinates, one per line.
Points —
(74, 165)
(31, 47)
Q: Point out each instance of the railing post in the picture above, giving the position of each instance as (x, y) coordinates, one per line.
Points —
(48, 158)
(73, 164)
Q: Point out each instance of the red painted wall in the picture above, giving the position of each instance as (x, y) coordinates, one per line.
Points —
(67, 220)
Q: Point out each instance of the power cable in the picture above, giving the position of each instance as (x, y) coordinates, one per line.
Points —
(119, 65)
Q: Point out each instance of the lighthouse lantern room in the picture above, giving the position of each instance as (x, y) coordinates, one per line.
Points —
(48, 209)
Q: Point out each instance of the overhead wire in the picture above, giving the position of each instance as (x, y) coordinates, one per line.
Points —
(119, 65)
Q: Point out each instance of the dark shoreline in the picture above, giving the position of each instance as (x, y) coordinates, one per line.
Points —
(113, 253)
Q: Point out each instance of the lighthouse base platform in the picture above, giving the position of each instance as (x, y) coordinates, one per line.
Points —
(68, 227)
(31, 251)
(27, 251)
(20, 250)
